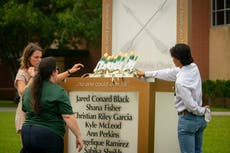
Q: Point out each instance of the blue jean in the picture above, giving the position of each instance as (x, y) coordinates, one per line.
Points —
(37, 139)
(190, 133)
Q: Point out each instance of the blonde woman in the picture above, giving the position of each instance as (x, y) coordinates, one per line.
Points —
(29, 62)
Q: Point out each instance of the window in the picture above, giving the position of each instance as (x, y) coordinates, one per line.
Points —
(220, 12)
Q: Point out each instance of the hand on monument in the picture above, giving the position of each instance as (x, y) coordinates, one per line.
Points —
(140, 73)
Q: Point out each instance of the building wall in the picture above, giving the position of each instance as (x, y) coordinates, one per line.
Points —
(7, 90)
(210, 45)
(219, 53)
(200, 35)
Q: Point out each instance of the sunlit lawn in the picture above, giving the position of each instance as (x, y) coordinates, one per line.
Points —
(216, 136)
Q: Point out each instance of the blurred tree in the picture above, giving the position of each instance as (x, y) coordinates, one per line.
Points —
(66, 21)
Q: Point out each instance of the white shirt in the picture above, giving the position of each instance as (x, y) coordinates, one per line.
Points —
(188, 87)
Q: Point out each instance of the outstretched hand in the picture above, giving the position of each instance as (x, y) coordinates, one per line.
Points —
(76, 67)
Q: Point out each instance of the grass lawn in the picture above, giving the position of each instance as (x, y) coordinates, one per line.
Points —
(7, 103)
(217, 109)
(9, 140)
(216, 136)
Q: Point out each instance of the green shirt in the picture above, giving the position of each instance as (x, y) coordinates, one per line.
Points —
(54, 102)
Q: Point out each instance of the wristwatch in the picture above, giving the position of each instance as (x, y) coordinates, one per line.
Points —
(69, 72)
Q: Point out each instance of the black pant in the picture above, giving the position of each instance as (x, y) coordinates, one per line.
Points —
(37, 139)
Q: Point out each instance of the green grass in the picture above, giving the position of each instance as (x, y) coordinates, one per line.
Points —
(9, 140)
(7, 103)
(216, 135)
(219, 109)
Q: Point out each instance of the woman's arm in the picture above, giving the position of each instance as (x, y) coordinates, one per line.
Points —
(20, 87)
(71, 122)
(164, 74)
(21, 79)
(189, 101)
(67, 73)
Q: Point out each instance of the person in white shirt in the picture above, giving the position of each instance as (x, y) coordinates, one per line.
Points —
(188, 97)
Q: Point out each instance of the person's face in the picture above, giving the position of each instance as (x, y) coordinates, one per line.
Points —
(177, 62)
(35, 58)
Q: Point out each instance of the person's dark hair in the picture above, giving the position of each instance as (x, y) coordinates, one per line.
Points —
(182, 53)
(45, 69)
(28, 51)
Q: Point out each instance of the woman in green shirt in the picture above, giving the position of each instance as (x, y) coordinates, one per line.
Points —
(48, 110)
